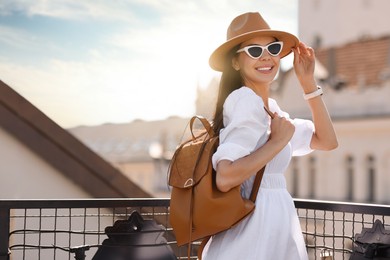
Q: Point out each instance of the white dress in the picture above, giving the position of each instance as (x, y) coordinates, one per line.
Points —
(273, 231)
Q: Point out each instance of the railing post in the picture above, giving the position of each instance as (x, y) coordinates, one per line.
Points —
(4, 233)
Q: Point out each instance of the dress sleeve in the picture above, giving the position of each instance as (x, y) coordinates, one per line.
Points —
(300, 142)
(245, 123)
(304, 129)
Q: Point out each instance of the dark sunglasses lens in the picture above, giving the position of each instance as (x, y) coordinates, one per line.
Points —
(274, 48)
(255, 51)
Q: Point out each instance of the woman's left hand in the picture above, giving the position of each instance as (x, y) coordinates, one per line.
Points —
(304, 63)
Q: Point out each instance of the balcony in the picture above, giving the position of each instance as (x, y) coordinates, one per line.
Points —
(75, 229)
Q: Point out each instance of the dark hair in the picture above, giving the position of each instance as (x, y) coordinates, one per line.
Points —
(230, 81)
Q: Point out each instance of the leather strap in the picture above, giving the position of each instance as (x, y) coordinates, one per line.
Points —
(259, 175)
(189, 246)
(256, 184)
(205, 123)
(202, 246)
(269, 112)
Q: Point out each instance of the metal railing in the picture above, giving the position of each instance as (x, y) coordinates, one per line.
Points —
(330, 228)
(75, 229)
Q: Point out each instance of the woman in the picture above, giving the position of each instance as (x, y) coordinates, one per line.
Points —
(249, 138)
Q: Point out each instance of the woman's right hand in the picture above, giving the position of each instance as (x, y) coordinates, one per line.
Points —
(282, 129)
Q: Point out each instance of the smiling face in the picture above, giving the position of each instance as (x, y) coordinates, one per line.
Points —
(260, 71)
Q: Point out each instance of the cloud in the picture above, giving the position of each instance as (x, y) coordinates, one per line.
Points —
(70, 9)
(146, 66)
(17, 37)
(131, 10)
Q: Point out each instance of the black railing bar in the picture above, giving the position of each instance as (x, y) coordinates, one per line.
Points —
(349, 215)
(134, 245)
(33, 232)
(334, 231)
(70, 249)
(315, 227)
(55, 235)
(99, 224)
(354, 223)
(338, 250)
(70, 228)
(24, 237)
(40, 235)
(88, 215)
(377, 209)
(113, 216)
(336, 220)
(374, 209)
(84, 203)
(4, 227)
(78, 232)
(146, 214)
(84, 225)
(328, 235)
(33, 247)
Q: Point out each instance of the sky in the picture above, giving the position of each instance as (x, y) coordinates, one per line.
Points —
(92, 62)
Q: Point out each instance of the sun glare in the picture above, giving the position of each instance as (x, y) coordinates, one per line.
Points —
(177, 66)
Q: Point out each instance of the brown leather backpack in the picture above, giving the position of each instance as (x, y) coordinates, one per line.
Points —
(198, 209)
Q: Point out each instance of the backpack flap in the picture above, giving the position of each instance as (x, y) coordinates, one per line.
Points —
(191, 161)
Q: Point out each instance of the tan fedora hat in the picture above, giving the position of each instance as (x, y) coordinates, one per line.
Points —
(243, 28)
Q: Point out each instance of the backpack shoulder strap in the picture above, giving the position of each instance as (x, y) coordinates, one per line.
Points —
(256, 184)
(259, 175)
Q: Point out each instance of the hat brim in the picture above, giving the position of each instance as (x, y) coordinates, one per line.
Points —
(217, 59)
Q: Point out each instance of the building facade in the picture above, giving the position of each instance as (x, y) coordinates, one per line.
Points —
(358, 170)
(141, 150)
(327, 23)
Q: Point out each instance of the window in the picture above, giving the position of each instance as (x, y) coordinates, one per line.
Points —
(295, 177)
(317, 42)
(371, 178)
(366, 4)
(316, 5)
(350, 177)
(312, 177)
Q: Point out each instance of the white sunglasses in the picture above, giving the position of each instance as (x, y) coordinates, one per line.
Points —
(255, 51)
